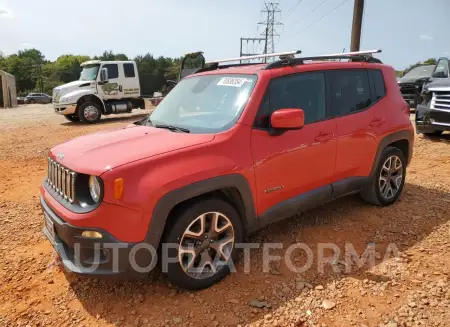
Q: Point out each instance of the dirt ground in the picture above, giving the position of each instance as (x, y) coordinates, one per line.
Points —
(411, 289)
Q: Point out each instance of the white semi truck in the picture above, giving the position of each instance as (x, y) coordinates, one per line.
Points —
(105, 88)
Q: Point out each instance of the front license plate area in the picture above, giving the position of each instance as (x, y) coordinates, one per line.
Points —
(48, 224)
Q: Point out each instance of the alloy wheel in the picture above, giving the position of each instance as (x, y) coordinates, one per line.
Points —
(206, 245)
(391, 177)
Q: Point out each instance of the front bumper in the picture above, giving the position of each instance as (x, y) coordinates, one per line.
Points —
(431, 120)
(65, 109)
(105, 257)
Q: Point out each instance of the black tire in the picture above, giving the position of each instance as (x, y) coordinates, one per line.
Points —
(91, 118)
(32, 101)
(435, 133)
(185, 217)
(373, 193)
(71, 117)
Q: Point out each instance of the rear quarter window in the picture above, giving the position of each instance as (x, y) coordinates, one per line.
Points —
(378, 86)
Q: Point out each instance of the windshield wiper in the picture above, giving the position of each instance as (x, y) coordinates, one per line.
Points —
(172, 128)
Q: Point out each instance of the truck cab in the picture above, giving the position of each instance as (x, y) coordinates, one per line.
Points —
(104, 88)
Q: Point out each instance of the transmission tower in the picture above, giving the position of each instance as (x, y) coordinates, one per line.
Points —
(271, 11)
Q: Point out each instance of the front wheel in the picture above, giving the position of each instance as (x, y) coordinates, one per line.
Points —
(71, 117)
(89, 112)
(389, 178)
(201, 244)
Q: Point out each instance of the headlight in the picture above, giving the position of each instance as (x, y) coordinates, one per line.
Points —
(95, 188)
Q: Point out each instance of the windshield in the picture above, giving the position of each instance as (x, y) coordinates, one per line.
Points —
(421, 71)
(205, 104)
(89, 73)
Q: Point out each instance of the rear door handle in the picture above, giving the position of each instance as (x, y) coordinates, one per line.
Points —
(377, 122)
(324, 137)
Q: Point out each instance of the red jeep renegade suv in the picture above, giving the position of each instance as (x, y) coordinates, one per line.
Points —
(228, 151)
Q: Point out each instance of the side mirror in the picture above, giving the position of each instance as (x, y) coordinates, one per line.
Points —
(287, 119)
(103, 74)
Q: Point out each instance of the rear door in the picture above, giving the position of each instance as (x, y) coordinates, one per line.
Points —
(358, 118)
(298, 161)
(112, 88)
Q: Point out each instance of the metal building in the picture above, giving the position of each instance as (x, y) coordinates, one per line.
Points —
(8, 95)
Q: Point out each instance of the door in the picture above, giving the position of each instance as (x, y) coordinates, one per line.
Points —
(130, 81)
(298, 163)
(112, 88)
(357, 121)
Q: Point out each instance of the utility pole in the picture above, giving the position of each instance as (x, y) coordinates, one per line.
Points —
(271, 10)
(358, 11)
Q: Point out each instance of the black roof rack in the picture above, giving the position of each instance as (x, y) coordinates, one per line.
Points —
(289, 59)
(358, 56)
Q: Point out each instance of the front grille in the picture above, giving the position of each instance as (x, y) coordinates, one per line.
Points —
(62, 180)
(441, 101)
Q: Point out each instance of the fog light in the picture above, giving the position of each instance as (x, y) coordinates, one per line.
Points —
(91, 234)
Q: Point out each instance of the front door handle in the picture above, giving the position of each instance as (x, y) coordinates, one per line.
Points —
(120, 88)
(324, 137)
(377, 122)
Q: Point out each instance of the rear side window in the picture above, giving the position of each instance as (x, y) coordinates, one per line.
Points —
(349, 91)
(304, 91)
(113, 71)
(128, 70)
(379, 89)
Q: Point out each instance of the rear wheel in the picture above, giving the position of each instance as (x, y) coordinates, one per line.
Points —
(201, 244)
(71, 117)
(89, 112)
(389, 179)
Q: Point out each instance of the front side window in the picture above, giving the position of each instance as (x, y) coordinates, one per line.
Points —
(350, 91)
(113, 71)
(304, 91)
(442, 70)
(205, 104)
(89, 73)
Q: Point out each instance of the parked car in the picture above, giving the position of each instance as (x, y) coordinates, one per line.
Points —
(433, 115)
(229, 150)
(38, 98)
(412, 82)
(21, 100)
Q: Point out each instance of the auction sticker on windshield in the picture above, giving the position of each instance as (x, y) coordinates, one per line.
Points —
(232, 81)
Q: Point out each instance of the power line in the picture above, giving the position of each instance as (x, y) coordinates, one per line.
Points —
(321, 3)
(290, 11)
(320, 18)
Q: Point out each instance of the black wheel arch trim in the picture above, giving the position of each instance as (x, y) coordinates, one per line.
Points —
(165, 205)
(389, 139)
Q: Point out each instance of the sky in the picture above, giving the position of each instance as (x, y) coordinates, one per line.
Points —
(406, 30)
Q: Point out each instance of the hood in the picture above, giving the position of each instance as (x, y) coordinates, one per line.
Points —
(70, 87)
(96, 153)
(412, 80)
(439, 83)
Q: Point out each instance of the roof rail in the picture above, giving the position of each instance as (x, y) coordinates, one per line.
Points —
(282, 55)
(354, 56)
